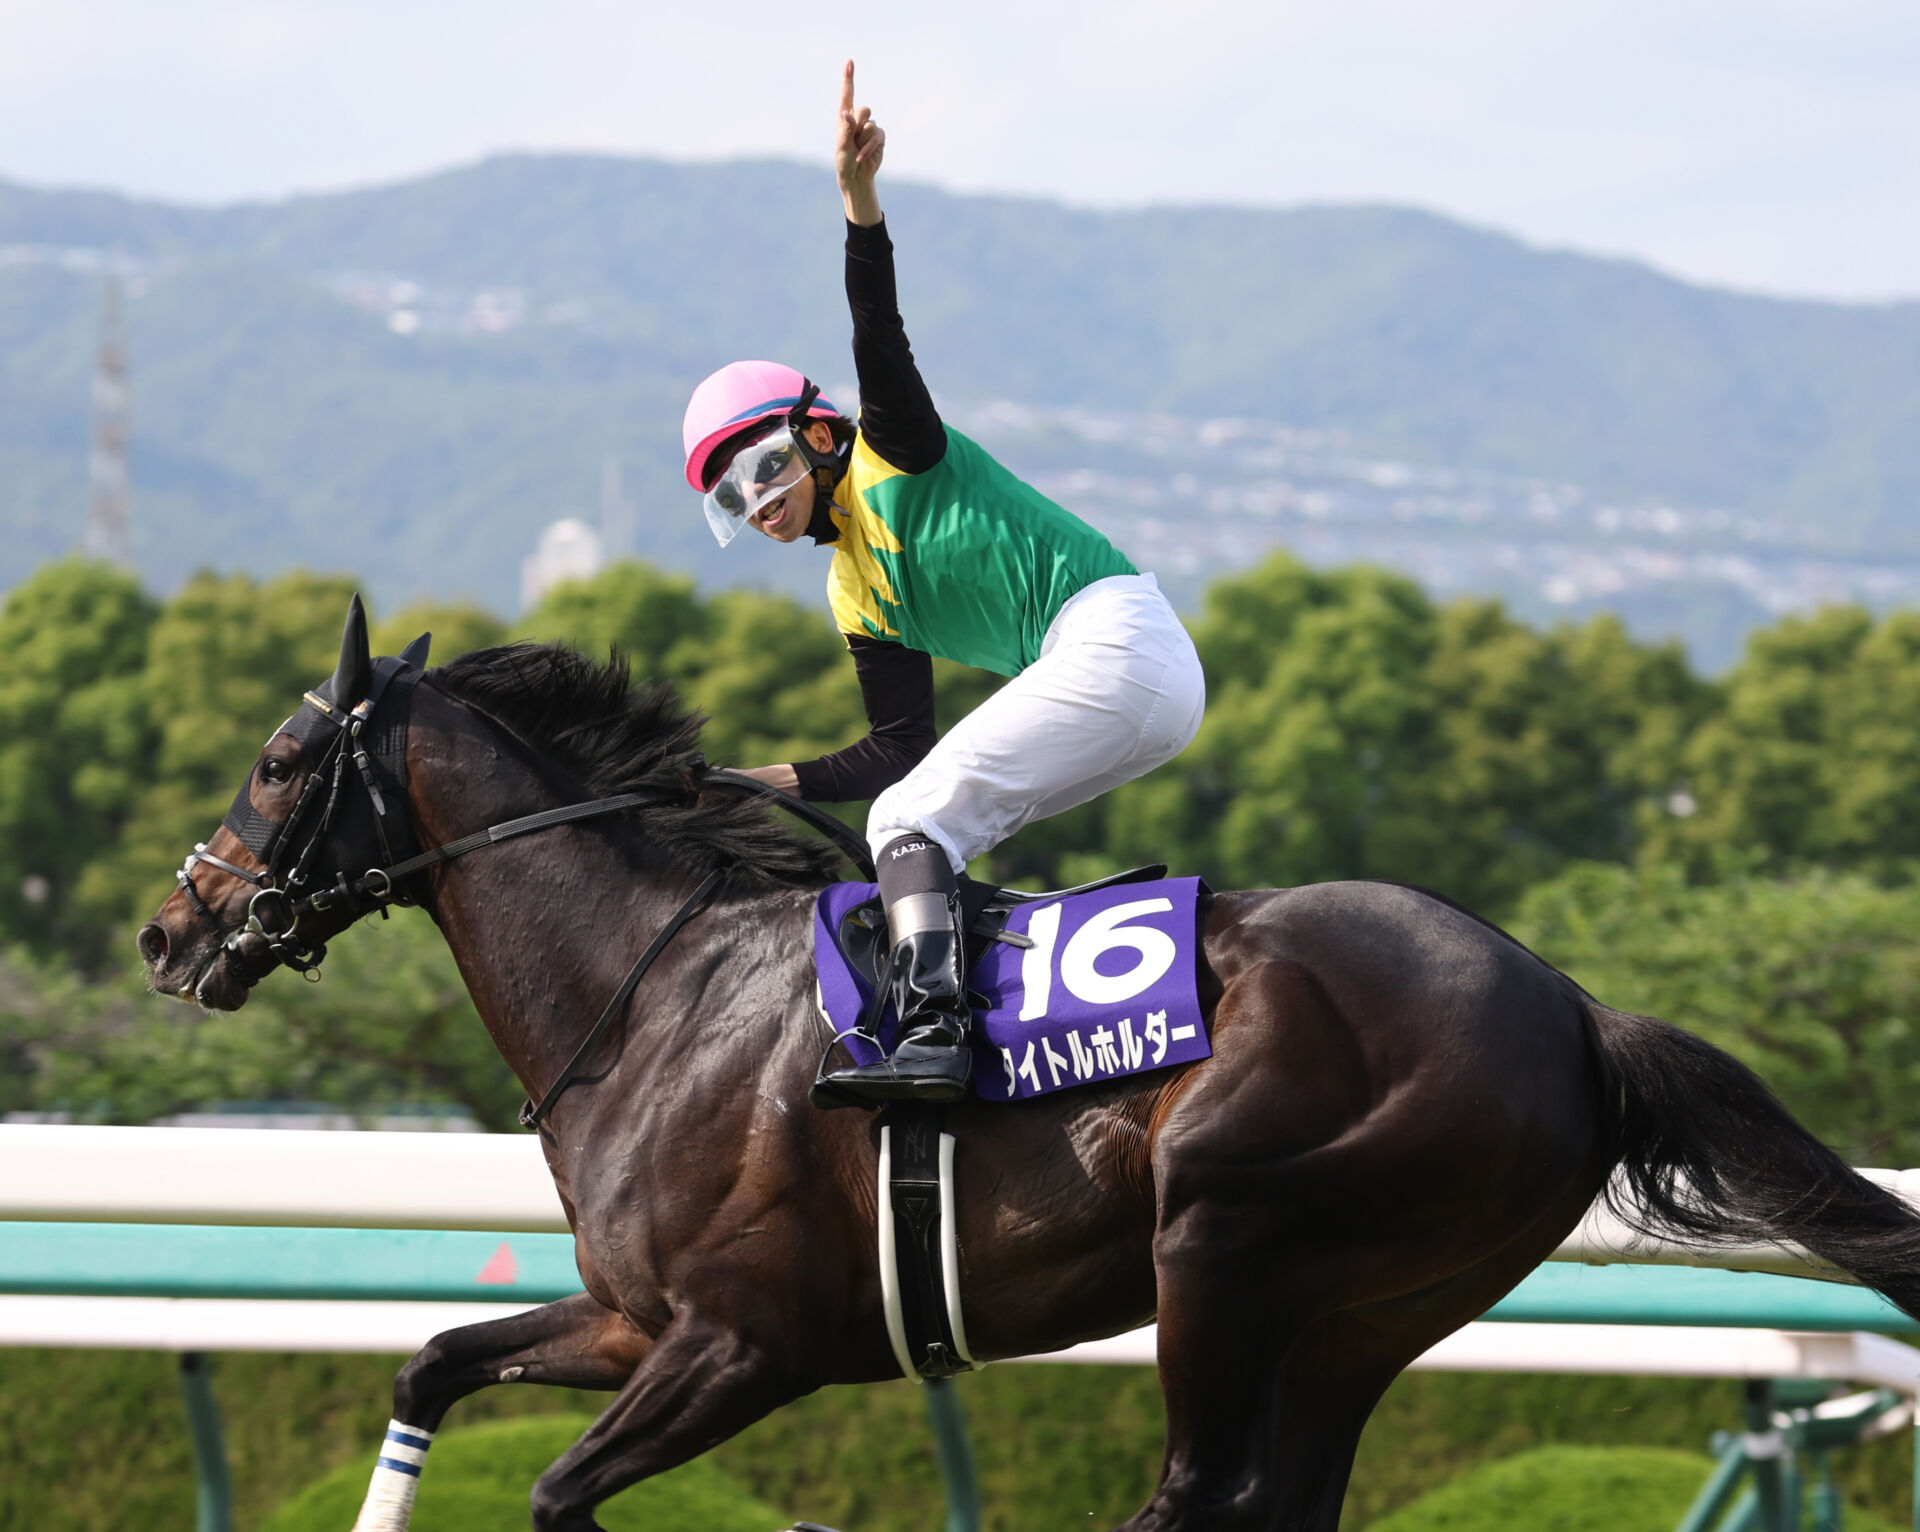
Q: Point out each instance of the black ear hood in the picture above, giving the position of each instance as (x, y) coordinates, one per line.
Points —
(387, 687)
(355, 670)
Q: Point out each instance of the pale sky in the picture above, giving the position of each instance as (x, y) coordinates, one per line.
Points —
(1772, 145)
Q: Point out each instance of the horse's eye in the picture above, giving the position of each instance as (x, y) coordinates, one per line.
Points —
(272, 770)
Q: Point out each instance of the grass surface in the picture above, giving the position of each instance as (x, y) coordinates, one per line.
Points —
(477, 1480)
(1573, 1489)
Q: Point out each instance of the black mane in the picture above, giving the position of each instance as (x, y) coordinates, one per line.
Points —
(614, 737)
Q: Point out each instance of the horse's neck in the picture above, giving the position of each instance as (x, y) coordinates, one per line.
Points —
(544, 926)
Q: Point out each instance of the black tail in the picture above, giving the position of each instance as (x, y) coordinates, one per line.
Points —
(1708, 1154)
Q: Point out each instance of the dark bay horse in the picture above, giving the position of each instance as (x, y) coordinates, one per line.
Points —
(1405, 1111)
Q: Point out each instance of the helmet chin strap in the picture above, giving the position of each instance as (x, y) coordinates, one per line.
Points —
(827, 467)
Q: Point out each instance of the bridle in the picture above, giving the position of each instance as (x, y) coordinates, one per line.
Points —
(283, 892)
(377, 748)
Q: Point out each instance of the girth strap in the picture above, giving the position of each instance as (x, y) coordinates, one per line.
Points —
(919, 1245)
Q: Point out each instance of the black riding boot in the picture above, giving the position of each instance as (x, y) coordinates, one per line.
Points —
(932, 1061)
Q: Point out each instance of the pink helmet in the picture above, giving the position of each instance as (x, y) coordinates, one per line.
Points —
(736, 396)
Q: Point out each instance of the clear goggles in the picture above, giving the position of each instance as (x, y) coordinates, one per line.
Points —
(761, 472)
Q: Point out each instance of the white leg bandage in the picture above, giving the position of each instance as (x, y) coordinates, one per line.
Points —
(396, 1476)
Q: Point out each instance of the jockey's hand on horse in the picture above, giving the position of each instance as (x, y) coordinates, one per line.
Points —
(856, 155)
(782, 777)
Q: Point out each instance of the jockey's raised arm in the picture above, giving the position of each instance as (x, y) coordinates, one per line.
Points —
(859, 144)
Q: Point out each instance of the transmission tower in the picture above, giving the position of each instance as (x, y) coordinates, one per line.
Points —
(107, 480)
(617, 516)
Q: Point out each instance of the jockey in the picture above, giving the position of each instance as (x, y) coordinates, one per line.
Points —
(938, 550)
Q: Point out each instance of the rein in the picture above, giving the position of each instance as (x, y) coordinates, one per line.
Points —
(532, 1116)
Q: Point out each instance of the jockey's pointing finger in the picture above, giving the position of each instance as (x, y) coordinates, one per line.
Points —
(846, 89)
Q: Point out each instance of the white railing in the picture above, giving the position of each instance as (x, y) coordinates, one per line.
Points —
(293, 1177)
(303, 1178)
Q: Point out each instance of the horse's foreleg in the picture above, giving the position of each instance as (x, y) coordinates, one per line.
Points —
(702, 1382)
(575, 1343)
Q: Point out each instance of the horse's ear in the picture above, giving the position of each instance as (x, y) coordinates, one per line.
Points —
(415, 654)
(355, 670)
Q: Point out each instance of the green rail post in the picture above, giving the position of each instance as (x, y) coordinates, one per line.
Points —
(1766, 1449)
(956, 1455)
(213, 1499)
(1793, 1492)
(1718, 1489)
(1745, 1515)
(1827, 1506)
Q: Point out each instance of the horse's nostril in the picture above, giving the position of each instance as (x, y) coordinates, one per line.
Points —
(152, 942)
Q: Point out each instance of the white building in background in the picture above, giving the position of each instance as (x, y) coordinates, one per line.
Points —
(567, 550)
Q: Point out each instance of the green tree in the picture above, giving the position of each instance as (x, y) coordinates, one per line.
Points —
(1355, 730)
(76, 741)
(1545, 746)
(456, 627)
(1816, 754)
(1315, 712)
(773, 678)
(656, 620)
(390, 1023)
(1814, 981)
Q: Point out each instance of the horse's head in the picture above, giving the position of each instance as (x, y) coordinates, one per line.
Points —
(299, 856)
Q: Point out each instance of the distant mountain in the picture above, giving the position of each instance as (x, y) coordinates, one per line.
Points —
(410, 381)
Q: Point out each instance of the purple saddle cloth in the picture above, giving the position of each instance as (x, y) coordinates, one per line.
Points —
(1106, 987)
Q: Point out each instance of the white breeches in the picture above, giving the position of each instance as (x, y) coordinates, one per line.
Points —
(1117, 691)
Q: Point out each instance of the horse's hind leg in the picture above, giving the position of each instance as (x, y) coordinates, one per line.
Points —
(1264, 1415)
(1228, 1322)
(575, 1343)
(1329, 1384)
(1338, 1366)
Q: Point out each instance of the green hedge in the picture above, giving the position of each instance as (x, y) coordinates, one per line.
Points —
(1573, 1489)
(478, 1479)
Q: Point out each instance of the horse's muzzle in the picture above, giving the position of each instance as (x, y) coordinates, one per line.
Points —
(213, 975)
